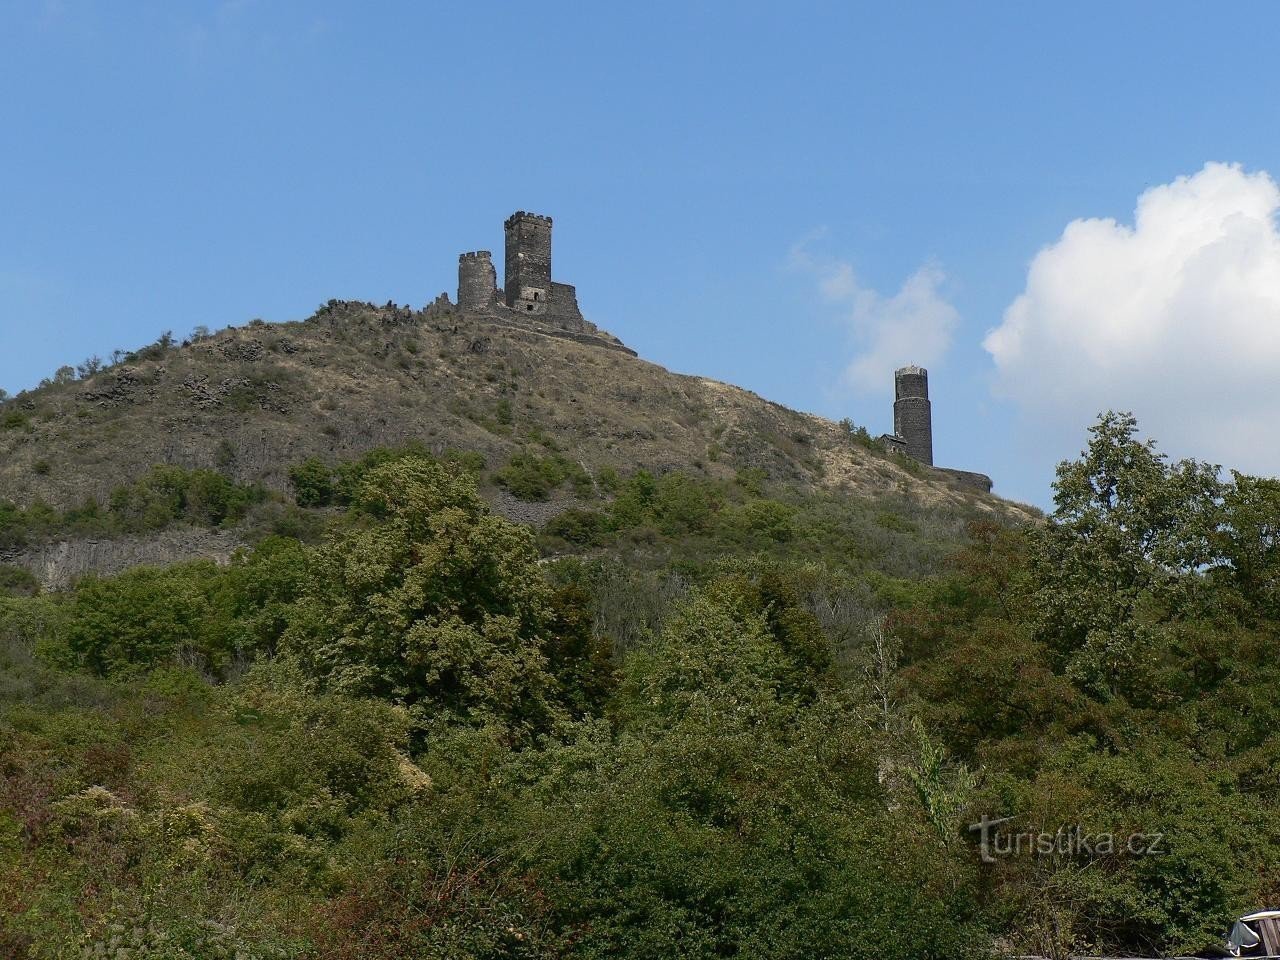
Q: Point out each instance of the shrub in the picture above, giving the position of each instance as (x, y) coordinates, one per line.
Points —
(143, 618)
(682, 504)
(17, 581)
(769, 520)
(312, 483)
(584, 528)
(173, 493)
(530, 477)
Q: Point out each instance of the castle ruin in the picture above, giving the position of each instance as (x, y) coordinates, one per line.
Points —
(532, 299)
(913, 425)
(912, 414)
(527, 289)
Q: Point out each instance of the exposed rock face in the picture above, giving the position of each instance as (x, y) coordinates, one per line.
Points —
(58, 564)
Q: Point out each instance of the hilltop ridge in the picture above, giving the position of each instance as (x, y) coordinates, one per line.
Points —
(250, 402)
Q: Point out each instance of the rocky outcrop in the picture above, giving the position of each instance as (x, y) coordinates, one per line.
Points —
(59, 564)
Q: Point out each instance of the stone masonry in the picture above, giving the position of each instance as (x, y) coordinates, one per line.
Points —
(912, 414)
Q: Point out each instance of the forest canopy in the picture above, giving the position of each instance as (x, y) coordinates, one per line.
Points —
(435, 733)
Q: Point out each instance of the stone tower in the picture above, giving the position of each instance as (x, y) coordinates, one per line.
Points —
(528, 268)
(912, 416)
(477, 281)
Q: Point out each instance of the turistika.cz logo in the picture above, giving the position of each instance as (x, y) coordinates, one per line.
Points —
(1070, 841)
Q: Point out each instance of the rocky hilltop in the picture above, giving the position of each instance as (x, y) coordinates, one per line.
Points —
(251, 402)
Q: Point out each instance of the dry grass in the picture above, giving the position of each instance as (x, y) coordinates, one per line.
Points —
(250, 402)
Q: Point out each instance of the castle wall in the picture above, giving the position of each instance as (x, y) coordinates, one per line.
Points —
(564, 305)
(968, 478)
(892, 443)
(528, 291)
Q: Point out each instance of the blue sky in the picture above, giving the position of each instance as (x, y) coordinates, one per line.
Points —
(740, 190)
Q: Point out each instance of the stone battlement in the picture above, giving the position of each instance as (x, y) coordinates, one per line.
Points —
(476, 255)
(525, 215)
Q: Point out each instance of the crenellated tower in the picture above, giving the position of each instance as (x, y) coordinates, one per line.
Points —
(527, 286)
(477, 281)
(912, 414)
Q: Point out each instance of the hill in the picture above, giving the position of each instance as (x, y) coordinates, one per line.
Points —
(252, 403)
(726, 642)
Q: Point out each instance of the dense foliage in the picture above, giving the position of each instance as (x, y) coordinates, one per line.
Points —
(689, 719)
(163, 496)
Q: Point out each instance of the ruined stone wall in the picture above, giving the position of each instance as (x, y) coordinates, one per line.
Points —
(912, 414)
(527, 283)
(892, 443)
(477, 280)
(564, 306)
(968, 478)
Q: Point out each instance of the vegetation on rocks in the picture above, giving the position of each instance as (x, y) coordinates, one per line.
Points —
(161, 497)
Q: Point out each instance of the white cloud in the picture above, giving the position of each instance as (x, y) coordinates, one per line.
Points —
(1176, 318)
(915, 325)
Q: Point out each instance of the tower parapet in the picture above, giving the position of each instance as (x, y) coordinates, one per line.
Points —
(912, 413)
(477, 280)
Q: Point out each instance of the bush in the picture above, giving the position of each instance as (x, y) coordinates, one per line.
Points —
(677, 834)
(529, 477)
(143, 618)
(171, 493)
(312, 483)
(438, 605)
(196, 613)
(583, 528)
(14, 420)
(767, 520)
(17, 581)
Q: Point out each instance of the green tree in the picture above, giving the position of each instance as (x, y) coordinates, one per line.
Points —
(143, 618)
(436, 604)
(1128, 533)
(726, 817)
(312, 483)
(1249, 541)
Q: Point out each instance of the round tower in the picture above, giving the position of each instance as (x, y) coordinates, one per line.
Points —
(527, 285)
(912, 415)
(477, 280)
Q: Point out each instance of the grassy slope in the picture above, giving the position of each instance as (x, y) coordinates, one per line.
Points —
(250, 402)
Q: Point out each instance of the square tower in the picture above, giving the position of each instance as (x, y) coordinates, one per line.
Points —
(528, 267)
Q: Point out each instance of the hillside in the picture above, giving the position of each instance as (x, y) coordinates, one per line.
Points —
(724, 641)
(251, 403)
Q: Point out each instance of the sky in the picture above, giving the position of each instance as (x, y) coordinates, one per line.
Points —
(1057, 208)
